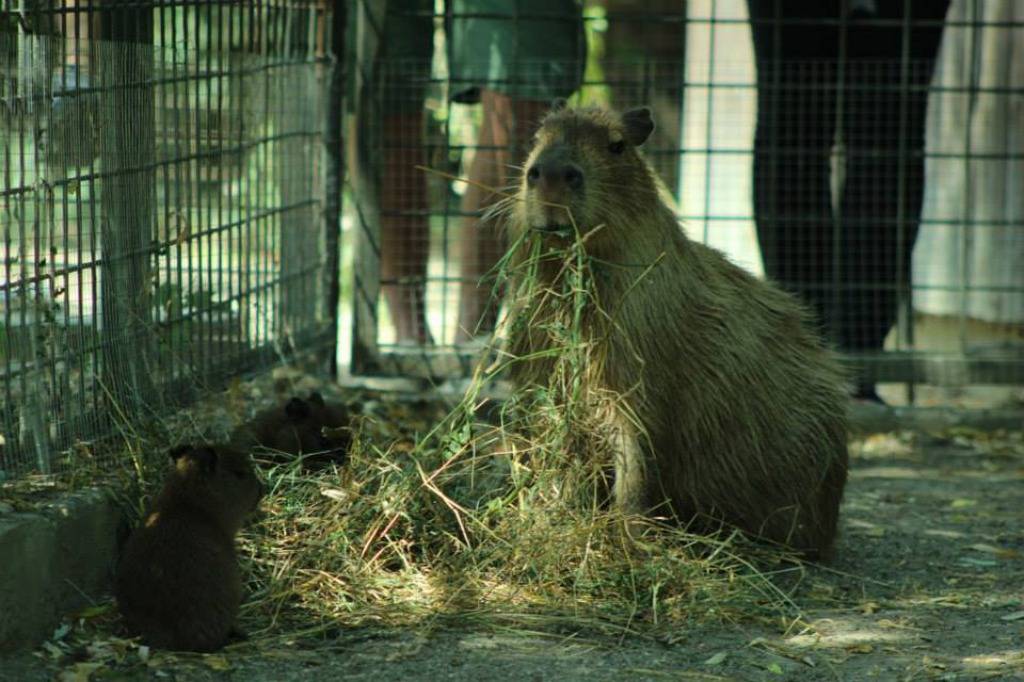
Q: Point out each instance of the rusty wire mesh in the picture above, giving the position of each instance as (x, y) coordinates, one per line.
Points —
(162, 196)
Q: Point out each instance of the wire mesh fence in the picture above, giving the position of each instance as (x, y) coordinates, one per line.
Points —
(866, 156)
(162, 202)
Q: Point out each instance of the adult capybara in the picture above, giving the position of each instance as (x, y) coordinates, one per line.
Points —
(731, 408)
(308, 427)
(177, 582)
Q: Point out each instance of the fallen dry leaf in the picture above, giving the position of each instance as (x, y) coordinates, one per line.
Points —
(80, 672)
(93, 611)
(335, 494)
(717, 659)
(1000, 552)
(217, 662)
(53, 650)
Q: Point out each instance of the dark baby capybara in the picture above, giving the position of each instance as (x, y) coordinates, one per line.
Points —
(732, 408)
(310, 428)
(178, 582)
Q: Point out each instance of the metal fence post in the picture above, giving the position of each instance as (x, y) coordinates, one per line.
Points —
(127, 156)
(333, 177)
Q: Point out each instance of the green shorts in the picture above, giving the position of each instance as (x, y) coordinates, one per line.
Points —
(389, 46)
(528, 49)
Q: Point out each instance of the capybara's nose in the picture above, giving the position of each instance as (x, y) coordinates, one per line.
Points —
(552, 175)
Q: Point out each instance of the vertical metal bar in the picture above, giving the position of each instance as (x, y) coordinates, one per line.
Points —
(967, 210)
(184, 144)
(95, 273)
(77, 407)
(10, 454)
(27, 432)
(234, 293)
(842, 60)
(709, 121)
(334, 172)
(249, 100)
(225, 126)
(680, 122)
(210, 184)
(774, 149)
(365, 352)
(446, 208)
(193, 290)
(904, 297)
(264, 297)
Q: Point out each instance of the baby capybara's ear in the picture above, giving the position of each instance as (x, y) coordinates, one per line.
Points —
(637, 125)
(296, 409)
(179, 451)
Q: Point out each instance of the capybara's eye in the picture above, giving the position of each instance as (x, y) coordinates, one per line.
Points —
(617, 147)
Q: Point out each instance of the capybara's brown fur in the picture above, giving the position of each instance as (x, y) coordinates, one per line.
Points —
(178, 582)
(307, 427)
(736, 412)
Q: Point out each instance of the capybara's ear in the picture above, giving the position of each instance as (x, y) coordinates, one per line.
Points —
(316, 398)
(558, 103)
(297, 409)
(637, 125)
(178, 451)
(205, 457)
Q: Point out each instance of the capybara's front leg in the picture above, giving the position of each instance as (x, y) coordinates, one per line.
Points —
(630, 489)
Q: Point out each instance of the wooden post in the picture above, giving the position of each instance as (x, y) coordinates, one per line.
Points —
(296, 110)
(362, 167)
(128, 186)
(334, 173)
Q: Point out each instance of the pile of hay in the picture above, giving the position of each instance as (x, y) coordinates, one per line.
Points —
(497, 523)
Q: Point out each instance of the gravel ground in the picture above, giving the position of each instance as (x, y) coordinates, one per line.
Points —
(927, 583)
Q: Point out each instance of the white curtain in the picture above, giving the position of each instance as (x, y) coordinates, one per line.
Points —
(972, 235)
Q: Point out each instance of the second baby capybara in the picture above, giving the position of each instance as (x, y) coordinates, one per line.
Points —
(310, 428)
(732, 409)
(178, 582)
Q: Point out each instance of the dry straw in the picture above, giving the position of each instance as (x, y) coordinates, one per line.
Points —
(495, 524)
(498, 523)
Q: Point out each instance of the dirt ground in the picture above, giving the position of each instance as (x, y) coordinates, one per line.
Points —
(927, 583)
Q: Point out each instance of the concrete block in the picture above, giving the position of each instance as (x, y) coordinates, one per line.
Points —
(53, 562)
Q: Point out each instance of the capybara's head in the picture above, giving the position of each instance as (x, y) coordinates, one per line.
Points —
(585, 168)
(308, 426)
(216, 478)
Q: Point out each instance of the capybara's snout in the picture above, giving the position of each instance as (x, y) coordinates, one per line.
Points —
(553, 175)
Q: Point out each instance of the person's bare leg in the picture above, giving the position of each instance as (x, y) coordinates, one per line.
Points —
(503, 141)
(404, 226)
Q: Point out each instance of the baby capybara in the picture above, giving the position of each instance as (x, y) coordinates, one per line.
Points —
(309, 428)
(178, 583)
(733, 410)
